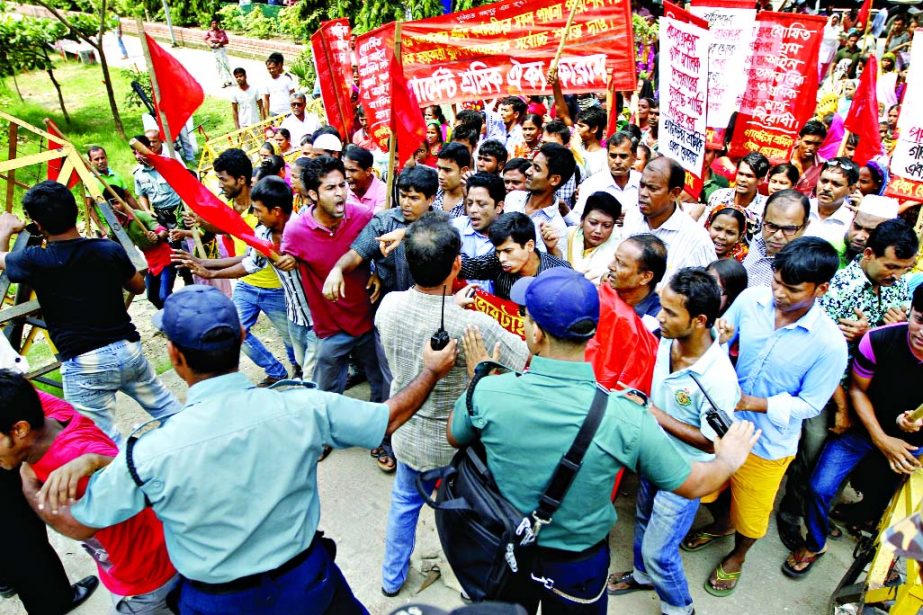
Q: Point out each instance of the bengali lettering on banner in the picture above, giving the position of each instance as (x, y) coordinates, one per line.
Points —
(333, 62)
(374, 52)
(907, 157)
(503, 311)
(781, 84)
(684, 42)
(506, 48)
(731, 24)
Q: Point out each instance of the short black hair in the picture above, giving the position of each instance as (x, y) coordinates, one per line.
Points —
(431, 246)
(360, 156)
(790, 195)
(788, 170)
(221, 361)
(273, 192)
(271, 165)
(95, 148)
(419, 178)
(895, 234)
(557, 127)
(317, 169)
(517, 164)
(52, 205)
(306, 140)
(757, 162)
(285, 132)
(326, 130)
(513, 225)
(240, 71)
(143, 140)
(621, 137)
(235, 163)
(275, 58)
(455, 152)
(653, 255)
(594, 117)
(844, 166)
(701, 292)
(813, 127)
(466, 133)
(492, 147)
(18, 402)
(602, 202)
(734, 213)
(518, 105)
(677, 175)
(560, 161)
(733, 276)
(807, 259)
(917, 302)
(492, 182)
(470, 119)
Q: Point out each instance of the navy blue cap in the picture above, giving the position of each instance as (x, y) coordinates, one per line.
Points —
(195, 313)
(559, 300)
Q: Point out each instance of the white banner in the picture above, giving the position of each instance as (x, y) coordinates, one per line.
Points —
(907, 157)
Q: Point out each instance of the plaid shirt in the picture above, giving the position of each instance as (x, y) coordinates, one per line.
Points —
(758, 264)
(296, 304)
(406, 320)
(392, 269)
(487, 267)
(456, 212)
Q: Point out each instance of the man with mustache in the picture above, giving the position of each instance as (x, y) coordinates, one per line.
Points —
(830, 213)
(784, 220)
(873, 210)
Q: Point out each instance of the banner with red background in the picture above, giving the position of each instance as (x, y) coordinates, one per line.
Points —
(781, 84)
(507, 47)
(333, 62)
(503, 311)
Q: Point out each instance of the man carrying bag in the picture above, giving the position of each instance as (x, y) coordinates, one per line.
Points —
(527, 423)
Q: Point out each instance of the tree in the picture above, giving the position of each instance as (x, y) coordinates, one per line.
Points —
(90, 29)
(24, 45)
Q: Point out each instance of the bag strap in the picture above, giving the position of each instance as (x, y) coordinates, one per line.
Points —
(571, 463)
(480, 370)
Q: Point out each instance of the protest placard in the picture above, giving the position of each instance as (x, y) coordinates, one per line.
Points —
(907, 157)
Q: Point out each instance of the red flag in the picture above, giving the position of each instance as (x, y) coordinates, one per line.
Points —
(863, 16)
(206, 204)
(180, 93)
(54, 166)
(333, 61)
(407, 123)
(862, 119)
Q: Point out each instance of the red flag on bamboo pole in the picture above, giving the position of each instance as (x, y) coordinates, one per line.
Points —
(862, 119)
(862, 17)
(333, 60)
(180, 93)
(407, 123)
(205, 204)
(54, 166)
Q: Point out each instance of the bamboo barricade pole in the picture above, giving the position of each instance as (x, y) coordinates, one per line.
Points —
(865, 34)
(841, 151)
(917, 414)
(168, 136)
(392, 140)
(553, 68)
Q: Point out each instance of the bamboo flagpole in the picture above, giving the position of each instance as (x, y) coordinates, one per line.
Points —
(553, 68)
(392, 140)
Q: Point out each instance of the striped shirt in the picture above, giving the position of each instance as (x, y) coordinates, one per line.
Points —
(688, 244)
(758, 264)
(488, 267)
(296, 304)
(518, 200)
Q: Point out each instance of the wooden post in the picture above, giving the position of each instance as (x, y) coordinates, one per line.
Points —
(868, 23)
(553, 68)
(392, 140)
(11, 174)
(841, 151)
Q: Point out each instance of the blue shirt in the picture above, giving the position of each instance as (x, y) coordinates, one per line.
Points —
(233, 476)
(796, 368)
(474, 244)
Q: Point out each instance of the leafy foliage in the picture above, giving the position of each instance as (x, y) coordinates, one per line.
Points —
(24, 43)
(131, 99)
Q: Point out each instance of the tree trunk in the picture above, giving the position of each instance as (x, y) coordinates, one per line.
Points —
(57, 86)
(104, 66)
(16, 85)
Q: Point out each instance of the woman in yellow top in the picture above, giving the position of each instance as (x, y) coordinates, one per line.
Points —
(591, 245)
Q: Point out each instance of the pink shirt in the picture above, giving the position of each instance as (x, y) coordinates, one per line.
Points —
(317, 249)
(374, 198)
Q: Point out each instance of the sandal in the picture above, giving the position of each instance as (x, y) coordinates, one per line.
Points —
(628, 580)
(325, 452)
(720, 576)
(377, 452)
(386, 461)
(796, 558)
(699, 539)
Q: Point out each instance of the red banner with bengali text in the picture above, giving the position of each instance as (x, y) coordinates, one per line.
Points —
(781, 89)
(507, 47)
(333, 61)
(503, 311)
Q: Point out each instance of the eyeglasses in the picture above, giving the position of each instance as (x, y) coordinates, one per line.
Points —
(846, 165)
(298, 104)
(787, 231)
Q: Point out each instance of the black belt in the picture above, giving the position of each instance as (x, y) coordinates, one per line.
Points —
(253, 580)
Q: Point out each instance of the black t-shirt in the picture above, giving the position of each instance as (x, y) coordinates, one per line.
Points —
(884, 354)
(79, 284)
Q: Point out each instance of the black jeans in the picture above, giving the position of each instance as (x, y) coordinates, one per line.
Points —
(30, 566)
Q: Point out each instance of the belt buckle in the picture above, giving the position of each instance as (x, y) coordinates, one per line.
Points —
(548, 583)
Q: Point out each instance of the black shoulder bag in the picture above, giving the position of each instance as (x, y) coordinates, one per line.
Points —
(485, 539)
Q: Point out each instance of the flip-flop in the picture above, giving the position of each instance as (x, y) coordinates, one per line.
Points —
(377, 452)
(722, 576)
(706, 537)
(628, 579)
(793, 573)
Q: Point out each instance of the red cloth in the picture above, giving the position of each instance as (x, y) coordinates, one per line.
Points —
(138, 562)
(407, 123)
(333, 62)
(54, 166)
(862, 18)
(862, 119)
(180, 93)
(623, 351)
(206, 204)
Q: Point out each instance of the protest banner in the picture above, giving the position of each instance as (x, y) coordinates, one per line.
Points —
(907, 157)
(781, 85)
(503, 311)
(684, 41)
(333, 62)
(507, 47)
(731, 24)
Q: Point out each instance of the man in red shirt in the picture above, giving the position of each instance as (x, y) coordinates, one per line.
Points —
(43, 433)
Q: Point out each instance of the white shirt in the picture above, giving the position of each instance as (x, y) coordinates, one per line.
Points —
(688, 244)
(279, 90)
(516, 201)
(603, 182)
(834, 228)
(248, 112)
(299, 128)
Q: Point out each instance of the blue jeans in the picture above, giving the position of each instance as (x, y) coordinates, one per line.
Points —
(92, 379)
(840, 456)
(312, 587)
(333, 363)
(250, 301)
(402, 526)
(160, 286)
(304, 343)
(662, 519)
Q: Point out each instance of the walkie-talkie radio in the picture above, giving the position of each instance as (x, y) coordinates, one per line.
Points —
(440, 338)
(716, 418)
